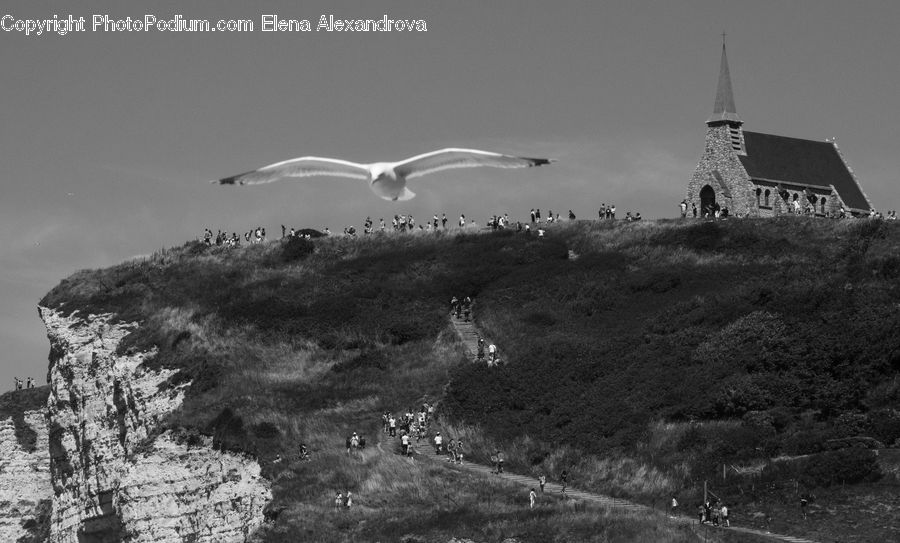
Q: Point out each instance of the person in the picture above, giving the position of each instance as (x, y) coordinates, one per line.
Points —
(492, 354)
(724, 513)
(537, 215)
(683, 209)
(384, 422)
(454, 306)
(451, 451)
(499, 462)
(531, 497)
(612, 212)
(438, 440)
(716, 514)
(542, 480)
(701, 514)
(338, 500)
(532, 216)
(349, 501)
(694, 209)
(571, 215)
(467, 307)
(18, 383)
(435, 219)
(459, 451)
(30, 383)
(304, 454)
(392, 426)
(674, 506)
(444, 221)
(480, 355)
(803, 503)
(564, 479)
(462, 221)
(707, 511)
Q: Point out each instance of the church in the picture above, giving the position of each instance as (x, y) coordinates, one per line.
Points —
(763, 175)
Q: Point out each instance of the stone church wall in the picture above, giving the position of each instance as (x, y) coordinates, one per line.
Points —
(718, 155)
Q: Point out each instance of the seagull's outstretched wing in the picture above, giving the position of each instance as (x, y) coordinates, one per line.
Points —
(446, 159)
(298, 167)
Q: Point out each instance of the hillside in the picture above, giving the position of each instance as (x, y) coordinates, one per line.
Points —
(639, 356)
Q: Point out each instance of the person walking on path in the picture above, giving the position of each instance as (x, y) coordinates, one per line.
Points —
(480, 355)
(803, 503)
(724, 512)
(492, 354)
(349, 501)
(542, 480)
(701, 514)
(437, 443)
(674, 506)
(532, 496)
(459, 451)
(564, 479)
(338, 501)
(451, 451)
(404, 442)
(499, 456)
(392, 426)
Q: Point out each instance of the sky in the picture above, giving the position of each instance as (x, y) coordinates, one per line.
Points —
(109, 138)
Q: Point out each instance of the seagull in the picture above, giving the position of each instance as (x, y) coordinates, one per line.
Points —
(386, 179)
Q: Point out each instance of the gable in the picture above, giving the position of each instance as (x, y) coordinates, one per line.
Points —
(800, 162)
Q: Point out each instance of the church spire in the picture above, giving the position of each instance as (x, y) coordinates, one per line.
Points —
(724, 110)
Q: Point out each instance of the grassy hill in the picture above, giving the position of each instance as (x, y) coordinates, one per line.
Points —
(642, 357)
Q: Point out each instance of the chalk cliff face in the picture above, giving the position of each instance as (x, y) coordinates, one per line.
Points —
(25, 489)
(116, 475)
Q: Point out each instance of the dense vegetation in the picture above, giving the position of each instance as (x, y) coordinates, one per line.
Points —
(641, 356)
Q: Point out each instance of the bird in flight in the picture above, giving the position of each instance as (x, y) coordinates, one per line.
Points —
(386, 179)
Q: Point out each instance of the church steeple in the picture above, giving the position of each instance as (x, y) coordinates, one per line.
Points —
(724, 110)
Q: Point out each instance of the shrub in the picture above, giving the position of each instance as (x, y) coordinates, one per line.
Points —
(295, 248)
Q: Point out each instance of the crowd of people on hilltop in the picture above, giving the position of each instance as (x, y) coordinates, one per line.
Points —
(255, 235)
(29, 383)
(715, 211)
(408, 223)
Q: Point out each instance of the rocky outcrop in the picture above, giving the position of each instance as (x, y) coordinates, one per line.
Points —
(25, 489)
(117, 476)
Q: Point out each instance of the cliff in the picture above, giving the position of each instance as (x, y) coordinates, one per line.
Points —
(116, 475)
(25, 489)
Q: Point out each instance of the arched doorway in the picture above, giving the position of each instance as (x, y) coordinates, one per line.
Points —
(707, 200)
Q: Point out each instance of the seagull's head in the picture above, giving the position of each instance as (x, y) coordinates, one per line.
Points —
(382, 171)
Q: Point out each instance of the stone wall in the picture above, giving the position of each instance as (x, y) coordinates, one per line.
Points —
(25, 491)
(719, 155)
(117, 474)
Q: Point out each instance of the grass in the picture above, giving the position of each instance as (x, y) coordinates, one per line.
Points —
(666, 349)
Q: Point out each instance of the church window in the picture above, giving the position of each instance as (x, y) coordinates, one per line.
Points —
(822, 204)
(766, 195)
(796, 196)
(758, 196)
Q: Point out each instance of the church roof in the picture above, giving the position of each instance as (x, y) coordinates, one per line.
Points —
(801, 162)
(724, 109)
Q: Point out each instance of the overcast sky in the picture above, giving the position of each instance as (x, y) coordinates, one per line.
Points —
(109, 138)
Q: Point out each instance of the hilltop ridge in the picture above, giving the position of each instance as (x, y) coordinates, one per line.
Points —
(664, 350)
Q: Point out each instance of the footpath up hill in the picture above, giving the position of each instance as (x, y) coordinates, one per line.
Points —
(664, 350)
